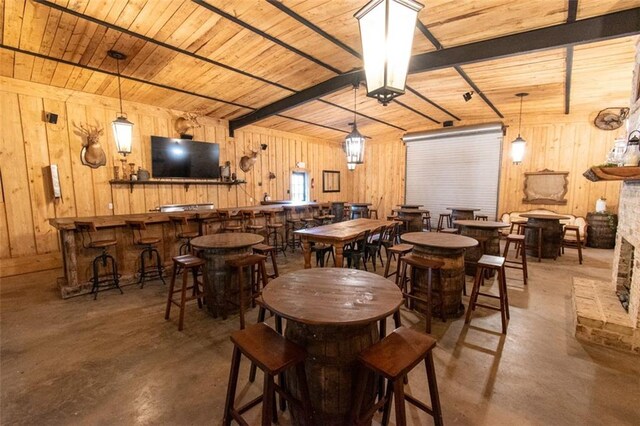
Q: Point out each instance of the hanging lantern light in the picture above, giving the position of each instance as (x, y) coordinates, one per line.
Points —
(386, 31)
(351, 166)
(354, 142)
(518, 145)
(122, 128)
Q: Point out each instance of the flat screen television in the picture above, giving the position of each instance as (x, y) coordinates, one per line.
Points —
(184, 158)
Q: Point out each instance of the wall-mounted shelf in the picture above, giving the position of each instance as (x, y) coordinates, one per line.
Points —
(596, 174)
(186, 183)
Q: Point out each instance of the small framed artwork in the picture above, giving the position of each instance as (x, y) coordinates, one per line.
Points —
(545, 187)
(330, 181)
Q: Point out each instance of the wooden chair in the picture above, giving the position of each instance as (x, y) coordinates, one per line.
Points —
(187, 263)
(426, 221)
(273, 354)
(521, 249)
(229, 223)
(393, 358)
(138, 227)
(373, 246)
(110, 279)
(357, 251)
(182, 233)
(323, 252)
(250, 223)
(495, 263)
(258, 274)
(275, 237)
(569, 242)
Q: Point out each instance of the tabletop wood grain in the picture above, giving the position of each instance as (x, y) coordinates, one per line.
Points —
(332, 296)
(439, 240)
(229, 240)
(464, 209)
(544, 216)
(481, 224)
(342, 231)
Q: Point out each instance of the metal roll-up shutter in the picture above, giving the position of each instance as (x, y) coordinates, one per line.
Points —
(454, 168)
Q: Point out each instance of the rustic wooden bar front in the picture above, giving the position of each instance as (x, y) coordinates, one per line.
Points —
(334, 314)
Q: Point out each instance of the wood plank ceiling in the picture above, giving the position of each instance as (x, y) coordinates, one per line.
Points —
(230, 57)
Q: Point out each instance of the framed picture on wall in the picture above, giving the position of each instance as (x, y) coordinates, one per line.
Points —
(545, 187)
(330, 181)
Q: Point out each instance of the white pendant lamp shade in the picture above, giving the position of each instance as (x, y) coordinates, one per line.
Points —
(123, 134)
(351, 166)
(518, 146)
(386, 31)
(354, 145)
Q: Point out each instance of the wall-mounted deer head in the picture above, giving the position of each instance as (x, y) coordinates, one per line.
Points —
(92, 154)
(247, 161)
(188, 121)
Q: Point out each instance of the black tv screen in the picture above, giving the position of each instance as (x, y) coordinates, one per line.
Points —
(184, 158)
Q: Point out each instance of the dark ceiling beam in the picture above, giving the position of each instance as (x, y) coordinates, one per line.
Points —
(572, 14)
(157, 43)
(278, 4)
(158, 85)
(432, 38)
(265, 35)
(604, 27)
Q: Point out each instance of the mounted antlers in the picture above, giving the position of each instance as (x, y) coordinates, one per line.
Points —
(92, 154)
(247, 161)
(188, 121)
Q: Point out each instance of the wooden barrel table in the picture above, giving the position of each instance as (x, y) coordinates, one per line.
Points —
(333, 313)
(551, 234)
(409, 206)
(602, 230)
(481, 230)
(447, 248)
(337, 210)
(462, 213)
(217, 249)
(415, 218)
(359, 210)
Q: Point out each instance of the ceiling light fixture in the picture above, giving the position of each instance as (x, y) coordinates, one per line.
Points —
(386, 31)
(518, 145)
(354, 142)
(122, 128)
(467, 96)
(351, 166)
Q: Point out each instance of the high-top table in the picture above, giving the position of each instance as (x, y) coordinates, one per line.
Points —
(551, 233)
(360, 209)
(415, 217)
(217, 249)
(447, 248)
(337, 234)
(409, 206)
(462, 213)
(484, 231)
(334, 314)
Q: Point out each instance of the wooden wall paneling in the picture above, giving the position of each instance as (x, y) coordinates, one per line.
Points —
(59, 154)
(37, 159)
(82, 177)
(97, 116)
(13, 167)
(6, 62)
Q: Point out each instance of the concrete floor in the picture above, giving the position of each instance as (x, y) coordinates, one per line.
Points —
(116, 361)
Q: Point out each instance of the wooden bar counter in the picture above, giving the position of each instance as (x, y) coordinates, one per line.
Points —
(77, 260)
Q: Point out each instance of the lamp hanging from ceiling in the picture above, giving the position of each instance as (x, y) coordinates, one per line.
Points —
(354, 142)
(351, 166)
(518, 145)
(386, 31)
(122, 128)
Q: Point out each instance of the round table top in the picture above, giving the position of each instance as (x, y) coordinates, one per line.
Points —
(464, 209)
(439, 240)
(410, 206)
(408, 210)
(481, 224)
(332, 296)
(359, 204)
(544, 216)
(228, 240)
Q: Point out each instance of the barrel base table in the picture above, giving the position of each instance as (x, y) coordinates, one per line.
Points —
(462, 213)
(481, 230)
(551, 234)
(217, 249)
(448, 249)
(414, 216)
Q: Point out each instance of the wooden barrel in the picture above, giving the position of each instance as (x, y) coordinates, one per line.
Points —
(452, 280)
(461, 215)
(551, 237)
(415, 224)
(331, 368)
(602, 230)
(216, 274)
(337, 209)
(473, 254)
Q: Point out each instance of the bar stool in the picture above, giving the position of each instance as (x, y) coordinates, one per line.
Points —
(482, 217)
(520, 246)
(441, 221)
(577, 243)
(227, 226)
(393, 358)
(187, 263)
(495, 263)
(307, 218)
(237, 265)
(517, 224)
(291, 225)
(179, 225)
(107, 280)
(426, 221)
(420, 264)
(538, 230)
(149, 249)
(249, 222)
(267, 251)
(273, 354)
(274, 232)
(398, 250)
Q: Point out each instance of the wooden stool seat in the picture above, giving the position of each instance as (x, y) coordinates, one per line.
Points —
(399, 250)
(109, 279)
(183, 234)
(449, 230)
(497, 264)
(394, 357)
(273, 354)
(244, 261)
(274, 225)
(147, 240)
(102, 243)
(185, 263)
(149, 250)
(188, 234)
(266, 250)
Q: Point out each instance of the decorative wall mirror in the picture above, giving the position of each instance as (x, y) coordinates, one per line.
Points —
(545, 187)
(330, 181)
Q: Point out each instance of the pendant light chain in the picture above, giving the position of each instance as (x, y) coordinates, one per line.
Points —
(119, 88)
(520, 117)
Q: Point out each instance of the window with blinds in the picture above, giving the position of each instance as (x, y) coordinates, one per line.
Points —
(454, 168)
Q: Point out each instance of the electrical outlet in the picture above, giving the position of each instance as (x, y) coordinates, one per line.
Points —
(110, 206)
